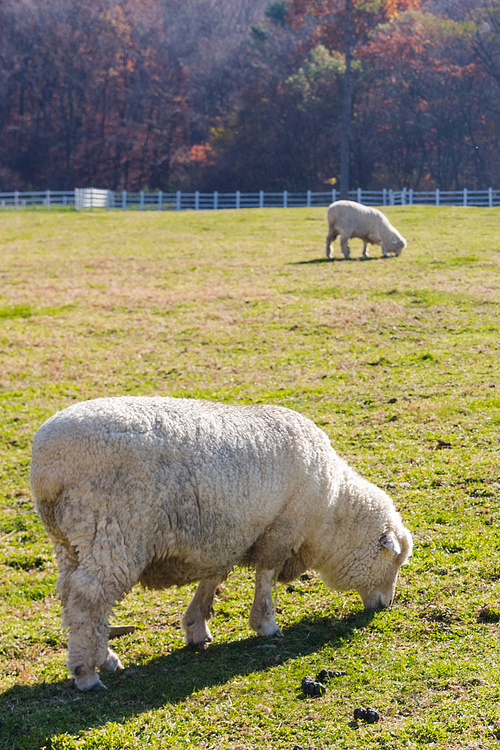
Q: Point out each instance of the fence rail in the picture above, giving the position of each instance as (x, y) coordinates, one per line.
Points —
(40, 198)
(90, 198)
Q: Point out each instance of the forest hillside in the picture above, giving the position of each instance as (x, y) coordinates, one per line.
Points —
(239, 94)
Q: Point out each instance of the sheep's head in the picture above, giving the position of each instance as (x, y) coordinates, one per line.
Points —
(397, 245)
(369, 562)
(394, 551)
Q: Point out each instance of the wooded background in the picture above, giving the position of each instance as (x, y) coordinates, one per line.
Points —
(242, 94)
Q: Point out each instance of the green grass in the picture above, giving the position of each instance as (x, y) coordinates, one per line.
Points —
(397, 360)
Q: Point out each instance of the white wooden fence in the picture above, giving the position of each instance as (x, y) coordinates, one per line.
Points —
(90, 198)
(39, 198)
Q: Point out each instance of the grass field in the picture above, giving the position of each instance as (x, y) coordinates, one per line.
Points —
(397, 360)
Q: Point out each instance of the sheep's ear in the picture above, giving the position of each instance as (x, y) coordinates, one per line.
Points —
(390, 541)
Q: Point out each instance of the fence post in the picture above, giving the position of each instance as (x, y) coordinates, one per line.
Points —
(261, 199)
(160, 200)
(124, 200)
(334, 195)
(47, 198)
(410, 196)
(16, 199)
(490, 197)
(238, 199)
(384, 197)
(178, 199)
(285, 198)
(196, 200)
(216, 200)
(359, 196)
(308, 202)
(403, 197)
(391, 197)
(465, 196)
(437, 196)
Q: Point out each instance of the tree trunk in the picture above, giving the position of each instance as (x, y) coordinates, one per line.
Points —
(346, 103)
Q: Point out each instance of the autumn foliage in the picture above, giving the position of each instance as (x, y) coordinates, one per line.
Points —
(91, 94)
(328, 17)
(245, 94)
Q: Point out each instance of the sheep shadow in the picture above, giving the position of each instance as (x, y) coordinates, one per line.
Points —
(31, 714)
(337, 260)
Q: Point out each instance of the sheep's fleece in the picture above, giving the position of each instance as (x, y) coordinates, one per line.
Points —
(351, 219)
(167, 491)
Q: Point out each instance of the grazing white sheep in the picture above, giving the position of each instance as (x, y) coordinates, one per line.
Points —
(167, 491)
(351, 219)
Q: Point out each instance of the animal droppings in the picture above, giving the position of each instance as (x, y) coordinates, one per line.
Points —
(489, 613)
(329, 674)
(368, 715)
(311, 687)
(441, 444)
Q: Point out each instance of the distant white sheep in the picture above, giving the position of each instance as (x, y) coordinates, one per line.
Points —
(166, 491)
(351, 219)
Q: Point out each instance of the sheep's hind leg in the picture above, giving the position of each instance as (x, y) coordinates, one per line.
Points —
(262, 612)
(344, 246)
(85, 613)
(331, 237)
(88, 598)
(69, 582)
(196, 616)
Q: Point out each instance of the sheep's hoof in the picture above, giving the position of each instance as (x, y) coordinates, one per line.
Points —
(198, 647)
(112, 662)
(89, 682)
(197, 635)
(98, 687)
(269, 629)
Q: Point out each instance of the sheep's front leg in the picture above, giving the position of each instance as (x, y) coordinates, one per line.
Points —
(344, 246)
(365, 249)
(262, 612)
(194, 621)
